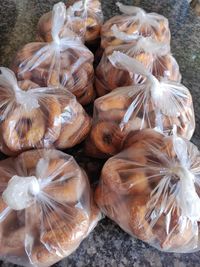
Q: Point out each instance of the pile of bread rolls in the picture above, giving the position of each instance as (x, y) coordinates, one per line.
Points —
(46, 202)
(150, 189)
(47, 206)
(143, 119)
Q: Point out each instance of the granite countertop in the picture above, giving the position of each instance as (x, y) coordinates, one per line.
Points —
(108, 245)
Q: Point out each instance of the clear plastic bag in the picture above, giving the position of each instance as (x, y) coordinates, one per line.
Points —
(32, 117)
(88, 13)
(153, 104)
(65, 61)
(82, 17)
(152, 191)
(135, 22)
(156, 57)
(46, 207)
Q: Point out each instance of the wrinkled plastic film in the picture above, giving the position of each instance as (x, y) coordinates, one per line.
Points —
(129, 109)
(9, 82)
(159, 196)
(130, 10)
(131, 25)
(149, 45)
(166, 95)
(59, 17)
(124, 36)
(49, 184)
(128, 63)
(140, 14)
(34, 117)
(84, 18)
(156, 58)
(20, 192)
(65, 61)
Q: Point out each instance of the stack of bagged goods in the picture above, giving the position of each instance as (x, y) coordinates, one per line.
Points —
(152, 191)
(153, 104)
(46, 207)
(132, 24)
(155, 56)
(33, 117)
(135, 22)
(84, 18)
(65, 61)
(142, 121)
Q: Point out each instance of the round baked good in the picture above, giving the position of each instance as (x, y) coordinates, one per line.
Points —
(151, 189)
(155, 57)
(33, 117)
(48, 207)
(85, 21)
(134, 22)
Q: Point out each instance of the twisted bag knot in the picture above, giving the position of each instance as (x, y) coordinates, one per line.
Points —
(21, 192)
(187, 197)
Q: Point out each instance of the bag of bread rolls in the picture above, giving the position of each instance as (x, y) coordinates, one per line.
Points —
(152, 104)
(65, 61)
(86, 16)
(152, 190)
(45, 24)
(135, 22)
(83, 17)
(155, 56)
(46, 207)
(33, 117)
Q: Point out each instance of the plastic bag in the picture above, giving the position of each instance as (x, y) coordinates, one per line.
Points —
(152, 191)
(134, 22)
(88, 13)
(65, 61)
(82, 17)
(153, 104)
(32, 117)
(46, 207)
(156, 57)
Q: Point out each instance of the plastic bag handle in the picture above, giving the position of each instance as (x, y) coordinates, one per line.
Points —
(124, 36)
(85, 4)
(51, 50)
(24, 98)
(123, 61)
(8, 79)
(131, 10)
(140, 14)
(168, 96)
(186, 195)
(149, 45)
(58, 20)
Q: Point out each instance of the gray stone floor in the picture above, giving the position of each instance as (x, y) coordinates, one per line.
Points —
(108, 245)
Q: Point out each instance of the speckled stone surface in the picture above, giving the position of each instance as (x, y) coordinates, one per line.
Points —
(108, 245)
